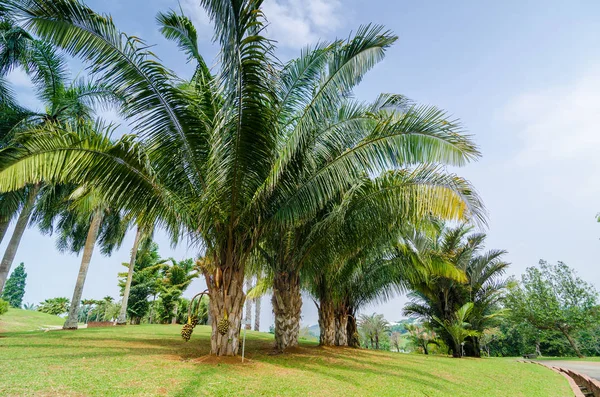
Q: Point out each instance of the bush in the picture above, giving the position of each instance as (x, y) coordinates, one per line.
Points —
(3, 306)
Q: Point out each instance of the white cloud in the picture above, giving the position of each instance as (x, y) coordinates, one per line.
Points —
(296, 23)
(560, 136)
(292, 23)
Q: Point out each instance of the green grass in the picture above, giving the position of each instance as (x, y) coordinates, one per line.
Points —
(17, 320)
(152, 360)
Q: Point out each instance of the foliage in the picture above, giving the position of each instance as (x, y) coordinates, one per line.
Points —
(553, 297)
(458, 328)
(54, 306)
(421, 337)
(374, 330)
(4, 305)
(29, 306)
(14, 289)
(437, 299)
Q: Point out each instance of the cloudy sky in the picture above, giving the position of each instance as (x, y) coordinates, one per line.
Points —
(524, 78)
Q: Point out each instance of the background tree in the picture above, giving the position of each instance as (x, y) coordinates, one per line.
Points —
(421, 337)
(374, 328)
(458, 328)
(553, 297)
(3, 306)
(14, 290)
(176, 277)
(56, 306)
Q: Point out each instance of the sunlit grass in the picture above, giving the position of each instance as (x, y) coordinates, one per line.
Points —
(152, 360)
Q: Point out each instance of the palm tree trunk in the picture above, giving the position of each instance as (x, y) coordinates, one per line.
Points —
(123, 314)
(341, 327)
(257, 313)
(248, 318)
(15, 240)
(326, 323)
(287, 307)
(4, 224)
(226, 306)
(88, 249)
(352, 330)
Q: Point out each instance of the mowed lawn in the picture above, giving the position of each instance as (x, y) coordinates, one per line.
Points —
(153, 360)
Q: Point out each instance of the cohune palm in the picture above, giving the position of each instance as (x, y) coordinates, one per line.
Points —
(249, 156)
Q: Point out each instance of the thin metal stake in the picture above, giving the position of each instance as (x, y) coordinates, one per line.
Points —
(244, 344)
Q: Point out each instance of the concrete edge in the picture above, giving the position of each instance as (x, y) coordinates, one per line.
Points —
(574, 388)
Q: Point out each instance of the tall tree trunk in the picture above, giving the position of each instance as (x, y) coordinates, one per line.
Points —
(326, 323)
(226, 300)
(15, 239)
(248, 318)
(352, 330)
(377, 341)
(88, 249)
(176, 309)
(287, 307)
(123, 314)
(4, 224)
(341, 325)
(257, 302)
(572, 342)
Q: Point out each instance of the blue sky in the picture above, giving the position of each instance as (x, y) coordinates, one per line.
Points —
(524, 78)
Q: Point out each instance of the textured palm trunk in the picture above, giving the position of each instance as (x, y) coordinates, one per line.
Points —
(326, 323)
(257, 303)
(175, 310)
(4, 224)
(88, 249)
(341, 325)
(287, 307)
(123, 314)
(15, 239)
(352, 331)
(248, 318)
(226, 305)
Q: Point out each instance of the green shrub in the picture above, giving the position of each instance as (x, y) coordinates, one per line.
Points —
(3, 306)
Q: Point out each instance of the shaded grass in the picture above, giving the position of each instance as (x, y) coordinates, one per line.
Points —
(152, 360)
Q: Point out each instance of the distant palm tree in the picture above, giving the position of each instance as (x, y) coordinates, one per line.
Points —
(373, 327)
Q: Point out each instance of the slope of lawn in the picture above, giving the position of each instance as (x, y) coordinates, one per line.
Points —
(18, 320)
(152, 360)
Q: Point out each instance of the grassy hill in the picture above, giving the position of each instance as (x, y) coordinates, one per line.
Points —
(153, 360)
(17, 320)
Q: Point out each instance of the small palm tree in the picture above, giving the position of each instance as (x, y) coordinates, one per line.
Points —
(458, 328)
(373, 327)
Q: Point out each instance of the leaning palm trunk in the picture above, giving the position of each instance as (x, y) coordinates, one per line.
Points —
(90, 242)
(326, 323)
(226, 304)
(123, 315)
(287, 307)
(4, 224)
(257, 313)
(15, 240)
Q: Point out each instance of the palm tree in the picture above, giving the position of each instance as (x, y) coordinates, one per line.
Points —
(63, 103)
(373, 327)
(83, 221)
(256, 147)
(176, 278)
(458, 328)
(441, 297)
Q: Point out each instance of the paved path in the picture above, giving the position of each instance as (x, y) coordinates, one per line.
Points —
(589, 368)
